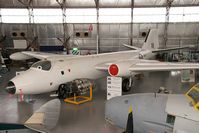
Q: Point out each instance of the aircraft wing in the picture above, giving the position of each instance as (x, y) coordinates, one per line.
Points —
(162, 66)
(103, 66)
(45, 118)
(29, 54)
(127, 67)
(39, 55)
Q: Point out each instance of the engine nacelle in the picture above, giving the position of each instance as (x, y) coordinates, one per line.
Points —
(120, 69)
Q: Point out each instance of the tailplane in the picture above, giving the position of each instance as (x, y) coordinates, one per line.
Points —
(151, 42)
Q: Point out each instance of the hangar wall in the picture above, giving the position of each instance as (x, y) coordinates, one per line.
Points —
(112, 36)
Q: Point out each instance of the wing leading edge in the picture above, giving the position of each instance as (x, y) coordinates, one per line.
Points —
(126, 67)
(162, 66)
(25, 55)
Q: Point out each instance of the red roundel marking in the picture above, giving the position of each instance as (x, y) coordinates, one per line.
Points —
(113, 69)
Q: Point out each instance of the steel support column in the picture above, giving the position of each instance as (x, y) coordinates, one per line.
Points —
(98, 34)
(132, 8)
(31, 38)
(66, 37)
(168, 6)
(30, 26)
(31, 21)
(1, 23)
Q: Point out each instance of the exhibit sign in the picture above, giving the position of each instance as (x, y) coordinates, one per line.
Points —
(114, 87)
(187, 76)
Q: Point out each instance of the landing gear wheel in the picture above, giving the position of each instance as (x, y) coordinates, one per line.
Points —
(3, 70)
(125, 85)
(62, 92)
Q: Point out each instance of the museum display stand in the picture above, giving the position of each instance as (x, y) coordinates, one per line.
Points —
(80, 99)
(193, 96)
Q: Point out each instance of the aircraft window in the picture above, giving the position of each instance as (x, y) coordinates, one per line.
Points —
(39, 67)
(171, 119)
(43, 65)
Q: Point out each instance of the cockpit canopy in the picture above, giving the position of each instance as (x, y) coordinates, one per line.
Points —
(42, 65)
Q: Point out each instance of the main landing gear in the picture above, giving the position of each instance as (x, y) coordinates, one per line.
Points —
(127, 84)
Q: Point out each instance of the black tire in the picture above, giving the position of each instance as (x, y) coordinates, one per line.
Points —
(125, 85)
(62, 92)
(3, 70)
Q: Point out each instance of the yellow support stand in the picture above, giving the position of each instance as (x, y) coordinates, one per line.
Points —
(194, 101)
(80, 99)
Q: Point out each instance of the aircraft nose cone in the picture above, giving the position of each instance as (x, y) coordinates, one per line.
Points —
(11, 89)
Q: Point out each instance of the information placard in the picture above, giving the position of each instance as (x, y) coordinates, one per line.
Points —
(114, 87)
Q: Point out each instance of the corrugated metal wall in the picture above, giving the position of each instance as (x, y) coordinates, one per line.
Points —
(111, 35)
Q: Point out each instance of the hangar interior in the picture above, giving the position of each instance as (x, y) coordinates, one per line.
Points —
(93, 27)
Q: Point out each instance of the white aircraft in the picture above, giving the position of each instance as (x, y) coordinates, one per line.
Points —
(54, 70)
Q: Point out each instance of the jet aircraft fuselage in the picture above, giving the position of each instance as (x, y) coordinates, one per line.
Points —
(47, 75)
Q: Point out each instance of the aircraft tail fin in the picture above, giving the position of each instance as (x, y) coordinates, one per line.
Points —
(151, 42)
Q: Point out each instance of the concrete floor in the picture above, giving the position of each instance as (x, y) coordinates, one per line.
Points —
(88, 117)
